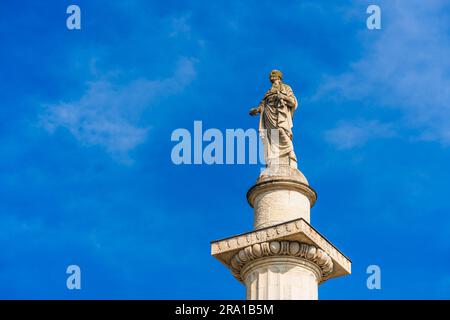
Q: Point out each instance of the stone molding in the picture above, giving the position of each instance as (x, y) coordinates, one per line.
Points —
(278, 249)
(281, 183)
(296, 230)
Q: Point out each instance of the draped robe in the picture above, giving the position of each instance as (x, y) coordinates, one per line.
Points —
(277, 112)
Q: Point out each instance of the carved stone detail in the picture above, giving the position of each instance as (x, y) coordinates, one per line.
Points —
(281, 248)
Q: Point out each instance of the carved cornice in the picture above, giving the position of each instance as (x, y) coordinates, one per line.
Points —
(281, 248)
(295, 230)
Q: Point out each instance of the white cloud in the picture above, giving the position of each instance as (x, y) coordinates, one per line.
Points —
(405, 66)
(180, 25)
(348, 135)
(108, 114)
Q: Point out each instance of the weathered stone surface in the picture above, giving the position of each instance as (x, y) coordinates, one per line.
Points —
(282, 170)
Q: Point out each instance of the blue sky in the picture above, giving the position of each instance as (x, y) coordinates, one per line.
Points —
(86, 118)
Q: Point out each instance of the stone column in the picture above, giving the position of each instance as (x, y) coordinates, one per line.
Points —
(282, 278)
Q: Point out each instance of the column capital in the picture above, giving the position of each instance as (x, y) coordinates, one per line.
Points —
(292, 231)
(245, 257)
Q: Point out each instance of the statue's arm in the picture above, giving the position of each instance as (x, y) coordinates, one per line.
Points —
(255, 111)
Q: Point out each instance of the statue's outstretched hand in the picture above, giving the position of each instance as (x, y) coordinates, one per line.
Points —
(254, 111)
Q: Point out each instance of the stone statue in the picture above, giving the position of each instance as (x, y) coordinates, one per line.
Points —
(275, 126)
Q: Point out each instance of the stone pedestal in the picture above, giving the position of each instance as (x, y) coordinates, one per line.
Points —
(283, 257)
(276, 199)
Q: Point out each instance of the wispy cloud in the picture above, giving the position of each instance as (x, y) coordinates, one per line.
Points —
(348, 135)
(405, 66)
(108, 114)
(180, 25)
